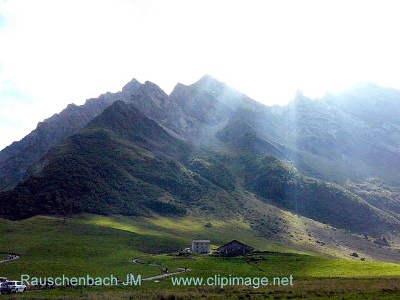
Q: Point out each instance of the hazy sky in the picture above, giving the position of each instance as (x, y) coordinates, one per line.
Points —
(57, 52)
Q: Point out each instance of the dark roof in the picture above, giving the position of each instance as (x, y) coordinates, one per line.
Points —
(236, 242)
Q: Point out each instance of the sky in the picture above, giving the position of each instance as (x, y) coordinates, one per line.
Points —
(56, 52)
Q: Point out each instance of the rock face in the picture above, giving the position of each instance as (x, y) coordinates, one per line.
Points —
(209, 101)
(382, 241)
(154, 102)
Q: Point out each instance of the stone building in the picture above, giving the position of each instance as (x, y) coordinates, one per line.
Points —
(201, 246)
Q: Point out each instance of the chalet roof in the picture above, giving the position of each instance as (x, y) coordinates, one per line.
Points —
(201, 241)
(233, 242)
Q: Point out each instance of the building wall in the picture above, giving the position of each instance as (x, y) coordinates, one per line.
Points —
(201, 246)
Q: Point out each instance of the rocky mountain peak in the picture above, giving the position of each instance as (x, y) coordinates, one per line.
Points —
(131, 87)
(209, 82)
(154, 90)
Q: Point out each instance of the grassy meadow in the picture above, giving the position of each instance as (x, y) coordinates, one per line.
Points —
(101, 246)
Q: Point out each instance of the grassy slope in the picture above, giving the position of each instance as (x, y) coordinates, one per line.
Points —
(101, 246)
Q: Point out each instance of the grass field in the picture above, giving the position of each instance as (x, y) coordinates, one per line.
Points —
(102, 246)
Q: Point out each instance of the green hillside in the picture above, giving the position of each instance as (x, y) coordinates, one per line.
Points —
(326, 202)
(108, 171)
(104, 246)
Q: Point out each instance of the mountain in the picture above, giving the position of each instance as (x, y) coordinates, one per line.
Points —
(323, 138)
(209, 101)
(209, 149)
(368, 102)
(108, 167)
(123, 162)
(149, 98)
(16, 158)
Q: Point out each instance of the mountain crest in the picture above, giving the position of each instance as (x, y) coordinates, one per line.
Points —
(207, 81)
(131, 86)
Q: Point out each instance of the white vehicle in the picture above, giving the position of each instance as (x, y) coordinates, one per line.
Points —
(16, 286)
